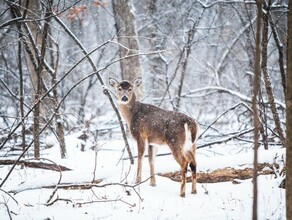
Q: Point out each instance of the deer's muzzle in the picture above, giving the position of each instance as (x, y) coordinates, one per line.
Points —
(125, 98)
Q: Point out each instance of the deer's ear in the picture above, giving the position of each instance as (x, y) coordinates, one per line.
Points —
(113, 82)
(137, 82)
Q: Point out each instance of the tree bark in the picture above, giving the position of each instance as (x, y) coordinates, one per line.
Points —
(39, 75)
(281, 56)
(21, 90)
(256, 88)
(156, 66)
(32, 9)
(267, 77)
(58, 117)
(127, 38)
(289, 119)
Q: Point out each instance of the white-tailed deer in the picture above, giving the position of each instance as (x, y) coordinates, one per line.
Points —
(152, 127)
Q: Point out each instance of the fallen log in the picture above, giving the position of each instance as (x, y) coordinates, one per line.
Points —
(37, 165)
(223, 175)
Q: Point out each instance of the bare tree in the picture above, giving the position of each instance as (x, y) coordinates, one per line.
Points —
(288, 181)
(35, 36)
(184, 56)
(264, 67)
(256, 87)
(21, 85)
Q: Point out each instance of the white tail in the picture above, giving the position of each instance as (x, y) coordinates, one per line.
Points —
(152, 126)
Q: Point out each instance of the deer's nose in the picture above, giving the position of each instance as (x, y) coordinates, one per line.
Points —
(124, 98)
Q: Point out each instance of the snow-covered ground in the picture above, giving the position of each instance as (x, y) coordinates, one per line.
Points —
(120, 201)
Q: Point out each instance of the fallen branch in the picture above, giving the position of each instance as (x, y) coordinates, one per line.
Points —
(81, 186)
(79, 204)
(66, 186)
(37, 165)
(90, 185)
(76, 186)
(224, 175)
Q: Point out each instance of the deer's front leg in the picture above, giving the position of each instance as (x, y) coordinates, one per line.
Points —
(141, 151)
(151, 157)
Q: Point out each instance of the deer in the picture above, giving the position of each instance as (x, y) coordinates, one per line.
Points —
(153, 127)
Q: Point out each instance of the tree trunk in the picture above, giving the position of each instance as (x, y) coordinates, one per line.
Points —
(289, 119)
(281, 55)
(256, 88)
(58, 117)
(32, 9)
(36, 119)
(39, 75)
(267, 77)
(263, 121)
(127, 38)
(156, 66)
(21, 95)
(183, 60)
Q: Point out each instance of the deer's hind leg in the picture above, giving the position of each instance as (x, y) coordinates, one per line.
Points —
(190, 156)
(193, 166)
(184, 169)
(181, 160)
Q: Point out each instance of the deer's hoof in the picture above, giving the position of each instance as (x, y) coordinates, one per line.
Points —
(153, 184)
(138, 180)
(183, 195)
(194, 192)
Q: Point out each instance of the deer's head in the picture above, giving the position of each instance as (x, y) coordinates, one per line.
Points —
(125, 89)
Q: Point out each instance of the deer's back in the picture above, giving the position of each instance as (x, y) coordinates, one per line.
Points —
(160, 126)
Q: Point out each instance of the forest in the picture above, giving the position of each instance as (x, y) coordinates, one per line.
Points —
(65, 149)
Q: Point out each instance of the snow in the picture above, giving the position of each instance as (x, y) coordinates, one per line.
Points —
(122, 201)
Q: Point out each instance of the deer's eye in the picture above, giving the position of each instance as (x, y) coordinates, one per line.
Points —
(120, 89)
(130, 89)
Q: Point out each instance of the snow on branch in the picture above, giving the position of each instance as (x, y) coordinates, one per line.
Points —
(206, 5)
(275, 5)
(219, 89)
(226, 139)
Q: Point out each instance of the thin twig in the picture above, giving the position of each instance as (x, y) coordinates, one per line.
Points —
(9, 196)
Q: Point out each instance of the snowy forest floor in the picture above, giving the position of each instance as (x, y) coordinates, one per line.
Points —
(100, 185)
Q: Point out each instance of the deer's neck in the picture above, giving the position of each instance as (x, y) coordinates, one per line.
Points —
(128, 110)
